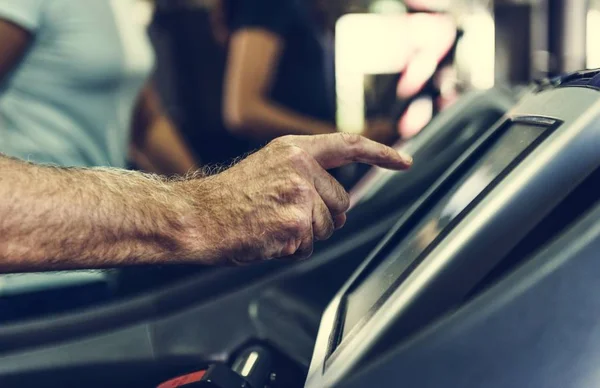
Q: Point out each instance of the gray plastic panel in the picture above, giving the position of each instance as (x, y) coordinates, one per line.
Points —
(448, 135)
(500, 220)
(539, 327)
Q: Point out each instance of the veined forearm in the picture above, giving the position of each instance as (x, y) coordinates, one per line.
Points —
(66, 218)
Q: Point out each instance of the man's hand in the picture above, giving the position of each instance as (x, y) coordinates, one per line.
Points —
(277, 202)
(274, 203)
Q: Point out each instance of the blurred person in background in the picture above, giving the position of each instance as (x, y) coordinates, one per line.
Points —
(280, 76)
(290, 88)
(75, 89)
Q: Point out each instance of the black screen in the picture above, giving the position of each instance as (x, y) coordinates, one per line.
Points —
(365, 296)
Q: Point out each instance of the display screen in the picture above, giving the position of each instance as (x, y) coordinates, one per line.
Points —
(361, 300)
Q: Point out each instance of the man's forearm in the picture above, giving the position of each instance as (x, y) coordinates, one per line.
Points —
(62, 218)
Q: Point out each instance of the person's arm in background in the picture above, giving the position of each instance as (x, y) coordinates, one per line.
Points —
(254, 54)
(252, 63)
(13, 43)
(157, 143)
(273, 204)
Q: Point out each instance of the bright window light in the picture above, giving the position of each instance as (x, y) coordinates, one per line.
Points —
(593, 31)
(143, 11)
(387, 7)
(368, 44)
(476, 51)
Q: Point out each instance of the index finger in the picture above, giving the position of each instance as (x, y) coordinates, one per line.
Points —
(339, 149)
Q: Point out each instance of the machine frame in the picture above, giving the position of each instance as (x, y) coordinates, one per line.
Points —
(577, 110)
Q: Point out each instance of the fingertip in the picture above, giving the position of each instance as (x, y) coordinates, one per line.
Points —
(404, 162)
(401, 164)
(407, 159)
(340, 221)
(305, 250)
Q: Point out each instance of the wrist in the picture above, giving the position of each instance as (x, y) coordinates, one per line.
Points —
(196, 234)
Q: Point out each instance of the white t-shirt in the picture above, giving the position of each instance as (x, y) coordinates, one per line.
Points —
(70, 100)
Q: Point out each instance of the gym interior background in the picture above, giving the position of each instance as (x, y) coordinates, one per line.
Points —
(503, 48)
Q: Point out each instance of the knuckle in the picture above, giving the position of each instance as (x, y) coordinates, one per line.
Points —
(295, 181)
(301, 224)
(328, 230)
(290, 248)
(282, 140)
(385, 153)
(288, 139)
(330, 225)
(324, 225)
(299, 187)
(351, 139)
(293, 190)
(344, 199)
(297, 155)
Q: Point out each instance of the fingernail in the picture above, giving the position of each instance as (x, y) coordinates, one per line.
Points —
(407, 159)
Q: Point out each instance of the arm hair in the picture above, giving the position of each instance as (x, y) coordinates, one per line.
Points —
(54, 218)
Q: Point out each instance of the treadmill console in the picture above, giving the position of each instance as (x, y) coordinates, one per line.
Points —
(440, 143)
(516, 140)
(462, 228)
